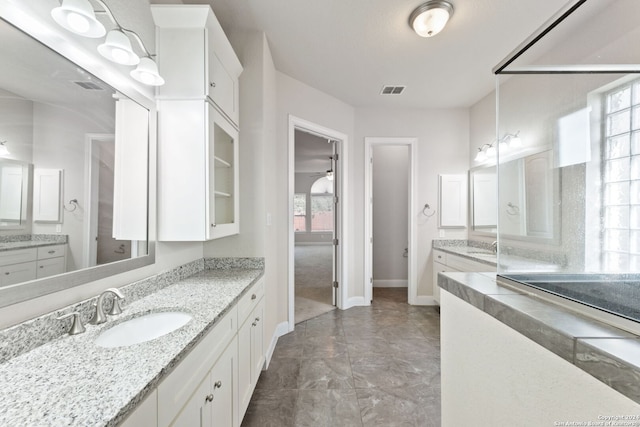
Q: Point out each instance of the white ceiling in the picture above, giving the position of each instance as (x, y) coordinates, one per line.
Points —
(351, 48)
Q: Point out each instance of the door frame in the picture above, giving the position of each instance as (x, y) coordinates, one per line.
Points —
(91, 170)
(341, 191)
(412, 273)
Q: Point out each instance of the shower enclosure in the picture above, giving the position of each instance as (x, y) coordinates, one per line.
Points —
(568, 156)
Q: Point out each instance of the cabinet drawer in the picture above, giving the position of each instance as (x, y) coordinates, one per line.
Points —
(249, 301)
(439, 256)
(17, 256)
(45, 252)
(179, 385)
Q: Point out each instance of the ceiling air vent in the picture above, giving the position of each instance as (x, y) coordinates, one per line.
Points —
(392, 90)
(88, 85)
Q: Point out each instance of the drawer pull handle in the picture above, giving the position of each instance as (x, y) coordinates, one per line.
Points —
(51, 252)
(42, 266)
(253, 296)
(209, 398)
(7, 273)
(218, 384)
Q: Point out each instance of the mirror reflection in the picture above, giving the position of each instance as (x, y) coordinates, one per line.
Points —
(73, 166)
(528, 198)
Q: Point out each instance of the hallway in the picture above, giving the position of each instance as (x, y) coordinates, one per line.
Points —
(366, 366)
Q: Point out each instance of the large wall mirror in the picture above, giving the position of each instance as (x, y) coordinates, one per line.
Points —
(527, 203)
(74, 174)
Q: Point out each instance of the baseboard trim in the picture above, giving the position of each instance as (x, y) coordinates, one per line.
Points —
(355, 302)
(281, 329)
(425, 300)
(313, 244)
(399, 283)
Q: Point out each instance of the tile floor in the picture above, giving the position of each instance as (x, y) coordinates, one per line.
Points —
(366, 366)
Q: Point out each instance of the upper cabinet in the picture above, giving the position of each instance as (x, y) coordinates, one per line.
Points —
(197, 126)
(196, 58)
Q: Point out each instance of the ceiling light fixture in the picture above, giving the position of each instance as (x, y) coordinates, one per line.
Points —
(79, 17)
(429, 18)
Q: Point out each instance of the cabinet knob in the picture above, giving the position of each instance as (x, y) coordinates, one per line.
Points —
(257, 319)
(213, 225)
(218, 384)
(42, 266)
(209, 398)
(212, 84)
(253, 296)
(254, 324)
(7, 273)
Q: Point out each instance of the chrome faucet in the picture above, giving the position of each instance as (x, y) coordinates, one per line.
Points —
(99, 316)
(494, 247)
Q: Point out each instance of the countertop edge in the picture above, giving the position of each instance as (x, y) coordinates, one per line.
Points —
(579, 350)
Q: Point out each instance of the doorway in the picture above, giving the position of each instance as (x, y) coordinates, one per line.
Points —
(390, 223)
(100, 246)
(316, 243)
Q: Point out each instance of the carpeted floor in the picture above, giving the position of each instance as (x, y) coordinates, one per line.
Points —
(313, 278)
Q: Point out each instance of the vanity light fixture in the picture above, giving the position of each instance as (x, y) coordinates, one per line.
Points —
(4, 151)
(429, 18)
(508, 142)
(78, 16)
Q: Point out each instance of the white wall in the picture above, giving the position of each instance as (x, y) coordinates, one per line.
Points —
(390, 214)
(443, 148)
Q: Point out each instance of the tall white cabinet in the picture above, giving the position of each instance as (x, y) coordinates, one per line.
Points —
(198, 118)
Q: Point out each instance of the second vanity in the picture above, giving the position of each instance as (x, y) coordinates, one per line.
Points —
(203, 371)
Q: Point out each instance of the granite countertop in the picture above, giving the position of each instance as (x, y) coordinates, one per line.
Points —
(508, 262)
(71, 381)
(607, 353)
(27, 244)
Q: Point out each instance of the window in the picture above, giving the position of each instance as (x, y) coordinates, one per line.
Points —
(300, 212)
(322, 212)
(621, 179)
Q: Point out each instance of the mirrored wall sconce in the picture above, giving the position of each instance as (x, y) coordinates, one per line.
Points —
(4, 151)
(508, 142)
(79, 17)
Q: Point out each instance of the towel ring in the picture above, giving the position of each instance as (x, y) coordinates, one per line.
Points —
(512, 209)
(73, 205)
(426, 209)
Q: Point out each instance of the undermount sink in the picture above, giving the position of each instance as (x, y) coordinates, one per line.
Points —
(143, 328)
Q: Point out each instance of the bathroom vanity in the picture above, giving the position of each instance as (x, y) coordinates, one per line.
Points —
(205, 370)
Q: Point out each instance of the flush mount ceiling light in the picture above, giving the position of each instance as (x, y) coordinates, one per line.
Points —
(117, 48)
(429, 18)
(78, 17)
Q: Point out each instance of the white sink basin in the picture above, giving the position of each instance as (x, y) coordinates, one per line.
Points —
(143, 328)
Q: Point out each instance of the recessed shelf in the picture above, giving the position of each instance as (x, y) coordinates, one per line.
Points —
(221, 194)
(221, 163)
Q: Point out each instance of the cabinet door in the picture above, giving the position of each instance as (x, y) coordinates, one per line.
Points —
(245, 388)
(224, 383)
(257, 342)
(197, 411)
(50, 267)
(438, 268)
(222, 155)
(146, 414)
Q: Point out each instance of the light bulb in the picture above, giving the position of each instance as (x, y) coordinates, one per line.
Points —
(79, 23)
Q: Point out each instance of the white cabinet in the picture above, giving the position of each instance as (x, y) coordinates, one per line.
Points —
(195, 57)
(453, 201)
(198, 170)
(446, 262)
(215, 401)
(146, 414)
(213, 384)
(22, 265)
(251, 354)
